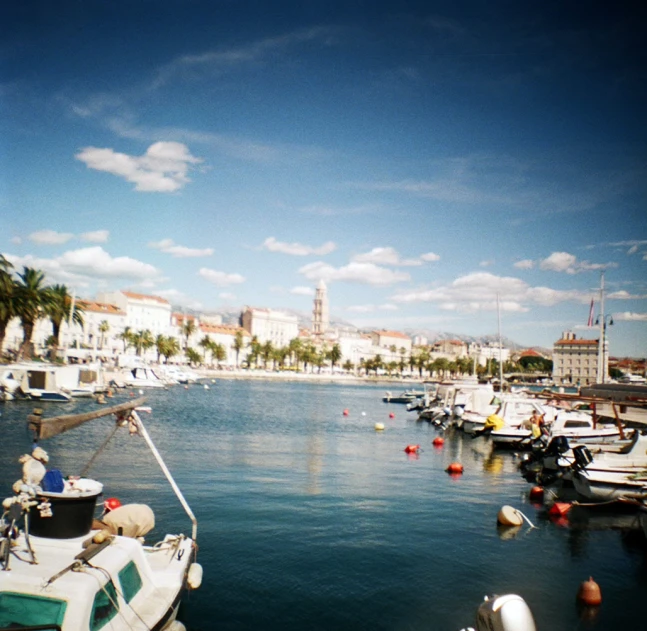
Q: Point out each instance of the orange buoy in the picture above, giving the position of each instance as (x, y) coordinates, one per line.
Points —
(537, 493)
(589, 593)
(559, 509)
(346, 412)
(412, 449)
(455, 467)
(391, 415)
(439, 441)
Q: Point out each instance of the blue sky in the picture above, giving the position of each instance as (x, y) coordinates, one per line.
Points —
(420, 157)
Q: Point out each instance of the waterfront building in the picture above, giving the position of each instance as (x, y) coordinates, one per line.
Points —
(223, 334)
(575, 361)
(452, 349)
(270, 326)
(320, 313)
(492, 351)
(143, 312)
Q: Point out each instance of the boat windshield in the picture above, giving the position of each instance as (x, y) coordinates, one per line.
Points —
(25, 610)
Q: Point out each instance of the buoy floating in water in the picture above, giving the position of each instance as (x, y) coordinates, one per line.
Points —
(391, 415)
(363, 413)
(439, 441)
(345, 412)
(379, 427)
(206, 386)
(509, 516)
(559, 509)
(589, 593)
(412, 449)
(455, 467)
(537, 493)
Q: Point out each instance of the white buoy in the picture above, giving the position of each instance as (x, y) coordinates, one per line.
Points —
(206, 386)
(363, 413)
(379, 427)
(509, 516)
(194, 576)
(141, 392)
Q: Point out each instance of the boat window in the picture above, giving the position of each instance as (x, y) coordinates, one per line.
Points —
(573, 424)
(130, 580)
(24, 610)
(104, 607)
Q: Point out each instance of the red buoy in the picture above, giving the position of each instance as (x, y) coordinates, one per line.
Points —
(412, 449)
(455, 467)
(537, 493)
(559, 509)
(439, 441)
(346, 412)
(589, 593)
(391, 415)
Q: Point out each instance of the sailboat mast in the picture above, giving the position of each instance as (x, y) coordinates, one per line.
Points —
(601, 343)
(498, 311)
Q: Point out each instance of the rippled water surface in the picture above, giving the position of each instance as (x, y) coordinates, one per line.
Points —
(309, 519)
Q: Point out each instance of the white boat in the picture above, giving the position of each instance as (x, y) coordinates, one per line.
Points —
(604, 486)
(145, 377)
(81, 380)
(570, 424)
(176, 374)
(513, 409)
(58, 572)
(35, 380)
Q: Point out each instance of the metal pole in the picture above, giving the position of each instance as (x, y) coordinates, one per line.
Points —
(498, 310)
(601, 371)
(167, 473)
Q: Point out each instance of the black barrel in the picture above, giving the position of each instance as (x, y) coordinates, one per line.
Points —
(72, 515)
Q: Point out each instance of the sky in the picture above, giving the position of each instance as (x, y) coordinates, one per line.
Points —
(427, 160)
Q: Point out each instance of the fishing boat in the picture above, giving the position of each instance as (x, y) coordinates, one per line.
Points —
(62, 570)
(604, 486)
(404, 397)
(144, 377)
(513, 409)
(32, 380)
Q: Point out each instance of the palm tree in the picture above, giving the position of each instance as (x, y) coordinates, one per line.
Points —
(7, 290)
(295, 348)
(104, 327)
(32, 298)
(143, 340)
(266, 352)
(188, 329)
(238, 344)
(335, 355)
(348, 365)
(205, 344)
(160, 343)
(219, 352)
(58, 310)
(127, 336)
(193, 356)
(255, 349)
(170, 347)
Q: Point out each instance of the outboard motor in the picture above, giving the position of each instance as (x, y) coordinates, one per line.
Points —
(504, 613)
(582, 456)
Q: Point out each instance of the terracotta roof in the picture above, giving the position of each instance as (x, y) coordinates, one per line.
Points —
(530, 352)
(180, 317)
(224, 329)
(393, 334)
(576, 342)
(131, 294)
(100, 307)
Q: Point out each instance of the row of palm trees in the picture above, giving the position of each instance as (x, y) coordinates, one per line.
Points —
(26, 296)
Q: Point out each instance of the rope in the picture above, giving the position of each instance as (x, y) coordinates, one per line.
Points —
(529, 522)
(98, 451)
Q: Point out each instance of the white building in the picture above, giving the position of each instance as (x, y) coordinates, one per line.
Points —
(143, 312)
(223, 334)
(576, 361)
(270, 326)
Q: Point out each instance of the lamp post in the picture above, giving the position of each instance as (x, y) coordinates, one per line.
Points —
(602, 321)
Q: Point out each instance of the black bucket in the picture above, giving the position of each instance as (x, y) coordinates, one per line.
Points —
(72, 515)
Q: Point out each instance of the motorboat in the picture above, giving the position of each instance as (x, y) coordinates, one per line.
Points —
(575, 425)
(62, 570)
(81, 380)
(145, 377)
(608, 485)
(32, 380)
(404, 397)
(176, 374)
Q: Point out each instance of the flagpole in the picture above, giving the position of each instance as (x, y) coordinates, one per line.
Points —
(498, 311)
(601, 371)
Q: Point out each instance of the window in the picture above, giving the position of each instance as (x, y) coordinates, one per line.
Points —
(104, 607)
(23, 610)
(574, 424)
(130, 580)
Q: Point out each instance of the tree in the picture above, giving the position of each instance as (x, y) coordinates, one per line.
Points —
(160, 344)
(193, 356)
(188, 329)
(348, 365)
(335, 355)
(219, 352)
(32, 298)
(7, 292)
(238, 344)
(143, 340)
(127, 337)
(170, 347)
(254, 352)
(58, 309)
(295, 348)
(205, 344)
(104, 327)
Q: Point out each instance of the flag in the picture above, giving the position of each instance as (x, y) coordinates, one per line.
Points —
(590, 322)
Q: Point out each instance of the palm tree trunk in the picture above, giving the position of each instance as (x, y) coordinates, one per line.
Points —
(26, 350)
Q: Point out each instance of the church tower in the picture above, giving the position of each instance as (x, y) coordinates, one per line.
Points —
(320, 314)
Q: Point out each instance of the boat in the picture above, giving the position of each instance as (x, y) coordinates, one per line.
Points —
(81, 380)
(570, 424)
(145, 377)
(62, 570)
(604, 486)
(32, 380)
(404, 397)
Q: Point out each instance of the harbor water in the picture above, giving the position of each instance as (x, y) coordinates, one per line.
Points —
(310, 519)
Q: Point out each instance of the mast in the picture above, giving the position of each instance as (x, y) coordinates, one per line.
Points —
(601, 372)
(498, 312)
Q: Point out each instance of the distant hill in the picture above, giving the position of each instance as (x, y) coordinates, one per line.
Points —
(231, 315)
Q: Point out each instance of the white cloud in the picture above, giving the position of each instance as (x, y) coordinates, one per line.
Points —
(625, 295)
(220, 279)
(81, 266)
(390, 256)
(225, 295)
(179, 251)
(568, 263)
(486, 263)
(303, 291)
(361, 308)
(297, 249)
(388, 307)
(354, 272)
(478, 292)
(630, 316)
(524, 264)
(177, 297)
(162, 169)
(16, 240)
(96, 236)
(50, 237)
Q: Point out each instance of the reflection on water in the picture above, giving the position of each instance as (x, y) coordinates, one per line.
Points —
(311, 519)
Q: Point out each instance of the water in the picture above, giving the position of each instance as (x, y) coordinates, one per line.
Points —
(309, 519)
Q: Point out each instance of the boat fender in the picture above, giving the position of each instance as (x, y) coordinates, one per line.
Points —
(176, 625)
(509, 516)
(379, 427)
(505, 613)
(589, 593)
(412, 449)
(194, 576)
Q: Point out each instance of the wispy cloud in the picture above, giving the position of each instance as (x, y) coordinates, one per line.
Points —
(568, 263)
(179, 251)
(302, 291)
(297, 249)
(629, 316)
(354, 272)
(162, 169)
(96, 236)
(220, 279)
(390, 256)
(50, 237)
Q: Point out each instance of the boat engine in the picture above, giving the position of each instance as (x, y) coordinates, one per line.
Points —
(582, 456)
